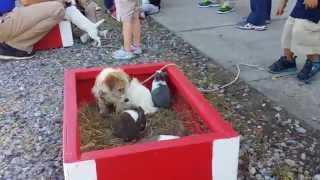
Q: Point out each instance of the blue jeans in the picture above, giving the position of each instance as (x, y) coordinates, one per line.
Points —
(260, 12)
(109, 4)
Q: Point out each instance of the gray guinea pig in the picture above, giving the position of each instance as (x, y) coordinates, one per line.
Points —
(160, 91)
(130, 123)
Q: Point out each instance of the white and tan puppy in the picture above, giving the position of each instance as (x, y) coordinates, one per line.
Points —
(140, 96)
(110, 89)
(77, 18)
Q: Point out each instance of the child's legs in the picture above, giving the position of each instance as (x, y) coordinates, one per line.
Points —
(127, 31)
(89, 7)
(306, 38)
(136, 30)
(286, 38)
(258, 16)
(91, 12)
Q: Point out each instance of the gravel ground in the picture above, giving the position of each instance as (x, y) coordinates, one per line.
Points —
(274, 144)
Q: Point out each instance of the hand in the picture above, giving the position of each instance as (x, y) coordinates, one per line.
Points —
(311, 4)
(281, 6)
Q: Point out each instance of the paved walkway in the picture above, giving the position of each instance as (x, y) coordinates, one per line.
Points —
(216, 36)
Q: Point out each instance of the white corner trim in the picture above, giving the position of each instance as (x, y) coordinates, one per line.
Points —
(225, 157)
(82, 170)
(66, 33)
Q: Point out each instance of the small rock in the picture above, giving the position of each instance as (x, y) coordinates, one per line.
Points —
(264, 105)
(259, 177)
(303, 156)
(252, 171)
(290, 162)
(277, 108)
(316, 177)
(300, 177)
(301, 130)
(278, 116)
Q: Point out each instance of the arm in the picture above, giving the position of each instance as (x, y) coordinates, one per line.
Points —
(311, 4)
(281, 6)
(30, 2)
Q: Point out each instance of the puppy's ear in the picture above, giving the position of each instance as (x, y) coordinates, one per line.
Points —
(111, 81)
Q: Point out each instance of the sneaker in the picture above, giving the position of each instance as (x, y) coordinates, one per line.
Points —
(225, 9)
(309, 70)
(122, 54)
(9, 53)
(249, 26)
(136, 49)
(283, 65)
(208, 3)
(268, 21)
(114, 15)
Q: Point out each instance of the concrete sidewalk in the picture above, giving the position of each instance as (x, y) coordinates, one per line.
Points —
(216, 36)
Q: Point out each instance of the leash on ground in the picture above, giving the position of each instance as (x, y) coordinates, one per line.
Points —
(259, 68)
(236, 78)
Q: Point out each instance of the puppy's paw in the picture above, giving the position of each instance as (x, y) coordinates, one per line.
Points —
(84, 38)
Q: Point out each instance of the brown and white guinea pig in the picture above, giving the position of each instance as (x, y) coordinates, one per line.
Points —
(130, 124)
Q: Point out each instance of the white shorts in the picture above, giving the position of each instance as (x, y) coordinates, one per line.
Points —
(301, 36)
(126, 9)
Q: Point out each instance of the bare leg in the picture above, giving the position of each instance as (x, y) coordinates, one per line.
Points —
(127, 27)
(313, 57)
(136, 30)
(289, 54)
(91, 12)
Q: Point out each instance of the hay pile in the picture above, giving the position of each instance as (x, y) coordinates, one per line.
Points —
(96, 130)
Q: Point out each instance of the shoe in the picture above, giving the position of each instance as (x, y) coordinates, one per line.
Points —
(268, 21)
(309, 70)
(122, 54)
(225, 9)
(208, 3)
(283, 65)
(136, 49)
(114, 15)
(9, 53)
(249, 26)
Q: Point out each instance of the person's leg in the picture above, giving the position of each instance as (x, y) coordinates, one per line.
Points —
(136, 46)
(127, 31)
(286, 63)
(136, 30)
(226, 6)
(269, 7)
(27, 25)
(306, 40)
(90, 9)
(258, 17)
(109, 4)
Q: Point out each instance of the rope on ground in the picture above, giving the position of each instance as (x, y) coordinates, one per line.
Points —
(235, 79)
(259, 68)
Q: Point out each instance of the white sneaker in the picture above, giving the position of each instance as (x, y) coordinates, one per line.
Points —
(136, 50)
(122, 54)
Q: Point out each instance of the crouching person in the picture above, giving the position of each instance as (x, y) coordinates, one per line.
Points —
(25, 25)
